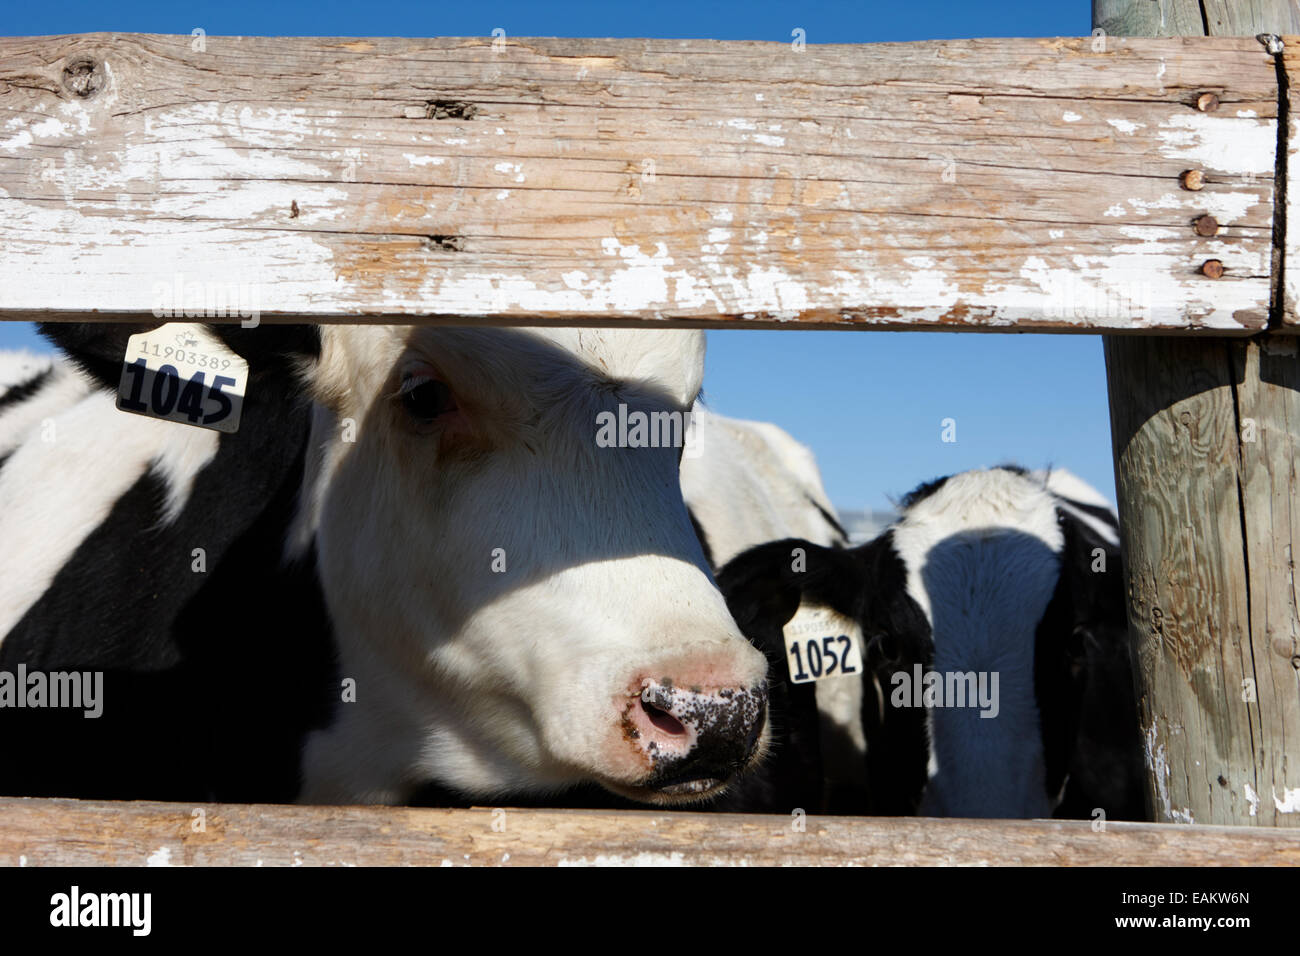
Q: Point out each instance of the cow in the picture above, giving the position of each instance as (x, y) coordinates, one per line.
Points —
(746, 483)
(749, 482)
(998, 592)
(413, 565)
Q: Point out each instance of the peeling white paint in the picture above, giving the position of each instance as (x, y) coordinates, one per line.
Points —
(1247, 114)
(415, 160)
(21, 141)
(1221, 143)
(507, 169)
(1252, 798)
(767, 140)
(300, 273)
(1156, 762)
(1071, 117)
(1115, 210)
(160, 857)
(676, 858)
(1289, 802)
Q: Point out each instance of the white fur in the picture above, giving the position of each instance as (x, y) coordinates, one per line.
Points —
(750, 482)
(982, 558)
(18, 367)
(1073, 488)
(515, 681)
(64, 388)
(54, 493)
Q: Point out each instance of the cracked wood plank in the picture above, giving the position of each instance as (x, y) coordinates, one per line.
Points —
(1291, 243)
(1207, 435)
(975, 184)
(100, 833)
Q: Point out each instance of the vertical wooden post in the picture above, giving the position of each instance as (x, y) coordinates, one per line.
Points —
(1207, 438)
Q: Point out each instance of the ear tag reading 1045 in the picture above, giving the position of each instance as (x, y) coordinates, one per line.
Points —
(820, 643)
(181, 372)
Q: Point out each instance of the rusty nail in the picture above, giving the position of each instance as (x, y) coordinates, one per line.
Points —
(1192, 179)
(1212, 268)
(1206, 226)
(1207, 102)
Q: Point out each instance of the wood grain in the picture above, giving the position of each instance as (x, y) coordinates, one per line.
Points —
(1171, 18)
(73, 833)
(983, 184)
(1206, 435)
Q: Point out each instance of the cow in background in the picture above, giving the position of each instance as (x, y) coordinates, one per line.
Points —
(991, 572)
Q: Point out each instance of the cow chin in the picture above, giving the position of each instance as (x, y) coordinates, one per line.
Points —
(665, 789)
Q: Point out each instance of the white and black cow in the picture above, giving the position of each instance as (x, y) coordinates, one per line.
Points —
(992, 572)
(746, 483)
(420, 518)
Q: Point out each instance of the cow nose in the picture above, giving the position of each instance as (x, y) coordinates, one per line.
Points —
(698, 739)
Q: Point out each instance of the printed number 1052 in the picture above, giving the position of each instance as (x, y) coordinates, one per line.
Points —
(825, 657)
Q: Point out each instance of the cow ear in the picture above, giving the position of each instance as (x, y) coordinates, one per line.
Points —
(768, 583)
(100, 347)
(896, 629)
(96, 347)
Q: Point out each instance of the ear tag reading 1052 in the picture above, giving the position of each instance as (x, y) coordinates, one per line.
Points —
(820, 643)
(181, 372)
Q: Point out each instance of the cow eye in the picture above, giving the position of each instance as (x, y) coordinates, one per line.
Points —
(425, 398)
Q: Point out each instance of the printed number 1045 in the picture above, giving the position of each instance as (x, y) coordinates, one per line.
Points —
(169, 392)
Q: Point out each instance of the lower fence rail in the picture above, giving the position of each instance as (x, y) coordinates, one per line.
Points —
(55, 832)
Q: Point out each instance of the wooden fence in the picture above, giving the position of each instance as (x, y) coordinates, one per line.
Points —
(1098, 184)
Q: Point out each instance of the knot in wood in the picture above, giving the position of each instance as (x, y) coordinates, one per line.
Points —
(83, 77)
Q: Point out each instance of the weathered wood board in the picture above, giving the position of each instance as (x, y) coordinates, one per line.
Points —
(1290, 277)
(979, 184)
(73, 833)
(1206, 436)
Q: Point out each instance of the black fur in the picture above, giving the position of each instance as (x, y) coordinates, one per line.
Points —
(22, 391)
(211, 680)
(763, 591)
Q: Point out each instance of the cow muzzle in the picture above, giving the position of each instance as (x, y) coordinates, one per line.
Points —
(694, 740)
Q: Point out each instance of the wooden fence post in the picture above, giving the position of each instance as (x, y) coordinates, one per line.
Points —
(1206, 434)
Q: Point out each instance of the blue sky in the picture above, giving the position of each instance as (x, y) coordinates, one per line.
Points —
(870, 404)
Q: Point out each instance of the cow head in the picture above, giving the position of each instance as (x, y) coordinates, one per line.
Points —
(521, 608)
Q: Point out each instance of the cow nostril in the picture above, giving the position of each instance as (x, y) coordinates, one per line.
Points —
(663, 720)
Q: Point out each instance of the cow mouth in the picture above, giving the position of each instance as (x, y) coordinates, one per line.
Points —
(676, 792)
